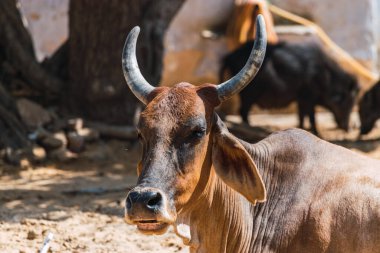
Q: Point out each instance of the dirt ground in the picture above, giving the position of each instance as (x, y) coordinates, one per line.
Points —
(81, 202)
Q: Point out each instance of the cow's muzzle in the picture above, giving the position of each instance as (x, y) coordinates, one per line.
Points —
(148, 208)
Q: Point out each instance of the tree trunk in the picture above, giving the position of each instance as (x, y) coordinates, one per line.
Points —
(13, 133)
(97, 33)
(17, 58)
(19, 69)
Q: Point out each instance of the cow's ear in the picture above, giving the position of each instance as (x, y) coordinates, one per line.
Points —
(235, 166)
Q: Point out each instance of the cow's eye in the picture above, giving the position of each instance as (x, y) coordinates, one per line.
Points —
(197, 134)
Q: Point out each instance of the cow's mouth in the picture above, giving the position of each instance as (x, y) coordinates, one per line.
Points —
(152, 226)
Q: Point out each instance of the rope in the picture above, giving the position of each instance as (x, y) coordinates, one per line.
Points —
(356, 66)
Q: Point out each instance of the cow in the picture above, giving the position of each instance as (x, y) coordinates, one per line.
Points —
(295, 72)
(290, 192)
(369, 109)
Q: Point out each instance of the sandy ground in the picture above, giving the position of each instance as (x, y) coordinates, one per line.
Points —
(81, 202)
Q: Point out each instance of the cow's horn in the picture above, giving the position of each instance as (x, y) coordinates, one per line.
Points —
(136, 82)
(245, 76)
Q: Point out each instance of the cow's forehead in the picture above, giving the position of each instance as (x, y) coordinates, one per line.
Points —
(173, 107)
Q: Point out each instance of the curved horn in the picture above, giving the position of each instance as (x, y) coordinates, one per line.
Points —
(136, 82)
(248, 72)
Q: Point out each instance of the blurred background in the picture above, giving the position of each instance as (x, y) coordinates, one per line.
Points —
(345, 24)
(68, 145)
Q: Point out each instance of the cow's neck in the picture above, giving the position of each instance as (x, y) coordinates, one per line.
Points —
(218, 221)
(277, 158)
(222, 220)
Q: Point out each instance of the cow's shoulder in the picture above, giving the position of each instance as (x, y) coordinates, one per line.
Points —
(294, 139)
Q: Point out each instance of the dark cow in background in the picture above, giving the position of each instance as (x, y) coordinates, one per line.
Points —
(369, 109)
(296, 72)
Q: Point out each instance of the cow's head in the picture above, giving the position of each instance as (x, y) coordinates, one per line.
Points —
(341, 90)
(369, 109)
(182, 139)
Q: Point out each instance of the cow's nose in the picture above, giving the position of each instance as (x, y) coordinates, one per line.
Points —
(150, 200)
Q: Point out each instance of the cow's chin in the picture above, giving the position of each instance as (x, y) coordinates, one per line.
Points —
(152, 227)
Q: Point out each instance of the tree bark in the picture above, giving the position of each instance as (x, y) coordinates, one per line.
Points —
(97, 33)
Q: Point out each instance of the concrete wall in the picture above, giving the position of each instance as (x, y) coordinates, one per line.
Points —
(190, 57)
(377, 10)
(353, 24)
(48, 23)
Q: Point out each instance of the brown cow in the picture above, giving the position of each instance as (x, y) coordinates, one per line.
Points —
(291, 192)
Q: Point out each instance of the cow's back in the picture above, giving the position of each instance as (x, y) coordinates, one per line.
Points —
(344, 206)
(321, 198)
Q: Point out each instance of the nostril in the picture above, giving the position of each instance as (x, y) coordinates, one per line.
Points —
(128, 202)
(140, 200)
(155, 201)
(133, 197)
